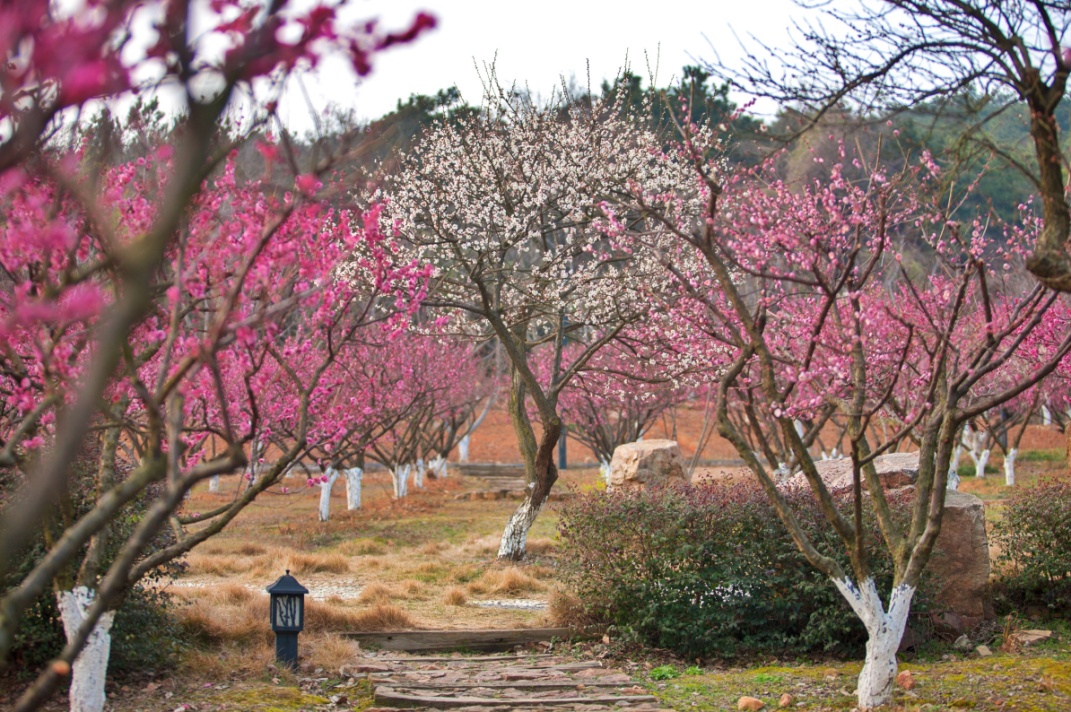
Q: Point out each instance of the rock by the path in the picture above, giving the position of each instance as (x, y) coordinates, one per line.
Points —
(895, 470)
(750, 704)
(905, 680)
(647, 463)
(959, 566)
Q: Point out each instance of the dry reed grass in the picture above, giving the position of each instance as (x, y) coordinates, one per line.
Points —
(228, 613)
(455, 596)
(566, 609)
(225, 661)
(487, 545)
(361, 547)
(329, 563)
(325, 618)
(540, 545)
(431, 548)
(509, 581)
(375, 593)
(382, 616)
(329, 651)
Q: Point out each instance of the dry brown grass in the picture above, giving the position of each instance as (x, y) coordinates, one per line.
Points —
(509, 581)
(375, 593)
(361, 547)
(208, 564)
(484, 546)
(329, 651)
(540, 545)
(223, 662)
(325, 618)
(455, 596)
(566, 609)
(382, 616)
(229, 613)
(328, 563)
(431, 548)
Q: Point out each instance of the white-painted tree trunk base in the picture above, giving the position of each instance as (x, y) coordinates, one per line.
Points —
(213, 483)
(91, 666)
(439, 467)
(1009, 467)
(884, 631)
(515, 536)
(325, 493)
(604, 471)
(418, 473)
(957, 453)
(354, 476)
(400, 477)
(1046, 416)
(980, 461)
(953, 480)
(463, 448)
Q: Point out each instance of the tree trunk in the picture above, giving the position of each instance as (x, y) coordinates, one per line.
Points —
(353, 475)
(438, 467)
(213, 483)
(463, 448)
(91, 666)
(980, 461)
(884, 631)
(1009, 467)
(400, 476)
(604, 471)
(418, 473)
(325, 493)
(540, 470)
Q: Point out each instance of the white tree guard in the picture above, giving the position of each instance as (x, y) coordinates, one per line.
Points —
(884, 630)
(91, 666)
(438, 466)
(400, 477)
(1009, 466)
(418, 473)
(515, 537)
(463, 448)
(213, 483)
(354, 476)
(325, 493)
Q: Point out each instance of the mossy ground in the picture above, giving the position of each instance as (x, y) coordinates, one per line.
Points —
(1036, 679)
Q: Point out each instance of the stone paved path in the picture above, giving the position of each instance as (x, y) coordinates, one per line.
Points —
(502, 682)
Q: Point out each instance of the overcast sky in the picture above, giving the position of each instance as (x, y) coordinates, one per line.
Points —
(538, 42)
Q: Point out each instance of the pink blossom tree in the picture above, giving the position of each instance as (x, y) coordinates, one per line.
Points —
(159, 306)
(791, 277)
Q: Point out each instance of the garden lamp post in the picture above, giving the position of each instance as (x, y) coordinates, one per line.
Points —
(287, 617)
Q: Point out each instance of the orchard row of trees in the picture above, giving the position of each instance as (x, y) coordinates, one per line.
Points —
(189, 320)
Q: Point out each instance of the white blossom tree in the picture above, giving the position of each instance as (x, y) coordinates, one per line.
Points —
(503, 203)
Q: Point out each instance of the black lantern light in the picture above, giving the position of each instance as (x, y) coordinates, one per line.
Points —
(287, 617)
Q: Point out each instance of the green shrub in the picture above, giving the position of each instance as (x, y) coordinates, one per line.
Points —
(711, 571)
(1034, 536)
(145, 634)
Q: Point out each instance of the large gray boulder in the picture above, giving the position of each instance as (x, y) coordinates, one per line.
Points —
(895, 470)
(647, 463)
(959, 566)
